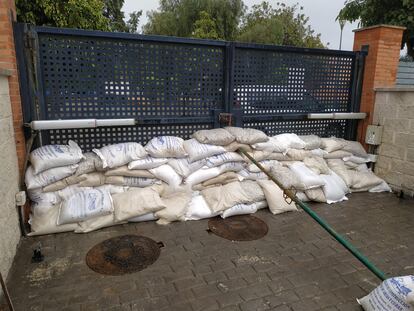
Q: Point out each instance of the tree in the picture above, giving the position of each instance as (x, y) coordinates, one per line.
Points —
(285, 25)
(374, 12)
(184, 18)
(104, 15)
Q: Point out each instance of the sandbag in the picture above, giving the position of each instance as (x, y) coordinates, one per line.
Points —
(234, 146)
(218, 136)
(204, 174)
(85, 205)
(224, 197)
(316, 195)
(90, 163)
(39, 209)
(317, 165)
(147, 163)
(272, 145)
(69, 191)
(267, 164)
(302, 196)
(298, 154)
(356, 160)
(287, 178)
(38, 196)
(51, 156)
(338, 166)
(393, 294)
(120, 154)
(221, 179)
(112, 189)
(198, 209)
(197, 151)
(247, 136)
(306, 176)
(124, 171)
(338, 154)
(355, 148)
(143, 218)
(332, 144)
(175, 207)
(333, 188)
(246, 174)
(48, 176)
(184, 167)
(364, 181)
(63, 183)
(243, 209)
(166, 147)
(136, 202)
(288, 141)
(319, 152)
(97, 223)
(311, 141)
(222, 158)
(274, 197)
(130, 181)
(46, 223)
(167, 174)
(382, 187)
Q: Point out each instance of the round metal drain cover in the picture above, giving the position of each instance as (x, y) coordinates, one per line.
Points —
(238, 228)
(123, 254)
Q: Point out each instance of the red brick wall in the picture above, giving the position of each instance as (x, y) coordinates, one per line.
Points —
(8, 61)
(381, 65)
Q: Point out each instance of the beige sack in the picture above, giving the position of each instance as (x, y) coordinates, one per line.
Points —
(218, 136)
(136, 202)
(221, 179)
(316, 194)
(332, 144)
(236, 145)
(247, 136)
(97, 223)
(317, 165)
(274, 198)
(124, 171)
(175, 207)
(338, 154)
(298, 154)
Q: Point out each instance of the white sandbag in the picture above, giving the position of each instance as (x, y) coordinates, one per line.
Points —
(382, 187)
(69, 191)
(334, 192)
(302, 196)
(63, 183)
(124, 171)
(298, 154)
(184, 167)
(50, 156)
(356, 159)
(234, 146)
(90, 163)
(274, 197)
(48, 176)
(218, 136)
(306, 176)
(317, 165)
(289, 140)
(247, 136)
(85, 205)
(267, 164)
(272, 145)
(319, 152)
(130, 181)
(197, 151)
(224, 197)
(355, 148)
(175, 207)
(364, 181)
(147, 163)
(112, 189)
(338, 154)
(311, 141)
(198, 209)
(166, 147)
(332, 144)
(393, 294)
(240, 209)
(40, 209)
(222, 179)
(96, 223)
(136, 202)
(46, 223)
(95, 179)
(316, 195)
(40, 197)
(143, 218)
(246, 174)
(168, 175)
(287, 178)
(338, 166)
(222, 158)
(120, 154)
(202, 175)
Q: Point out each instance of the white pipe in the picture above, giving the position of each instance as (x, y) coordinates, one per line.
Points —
(78, 123)
(338, 115)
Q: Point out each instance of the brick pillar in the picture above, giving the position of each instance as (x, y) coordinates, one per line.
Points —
(8, 61)
(381, 65)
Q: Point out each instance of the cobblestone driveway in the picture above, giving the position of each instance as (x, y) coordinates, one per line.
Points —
(297, 266)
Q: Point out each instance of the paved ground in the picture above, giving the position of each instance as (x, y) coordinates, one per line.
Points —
(297, 266)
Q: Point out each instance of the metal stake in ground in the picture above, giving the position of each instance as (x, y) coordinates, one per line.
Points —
(364, 260)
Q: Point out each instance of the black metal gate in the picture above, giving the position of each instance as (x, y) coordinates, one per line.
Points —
(175, 86)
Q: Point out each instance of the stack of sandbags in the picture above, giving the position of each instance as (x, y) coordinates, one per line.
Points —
(171, 179)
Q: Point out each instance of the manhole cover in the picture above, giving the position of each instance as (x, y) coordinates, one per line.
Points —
(123, 254)
(238, 228)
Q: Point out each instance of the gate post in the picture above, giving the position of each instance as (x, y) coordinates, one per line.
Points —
(381, 65)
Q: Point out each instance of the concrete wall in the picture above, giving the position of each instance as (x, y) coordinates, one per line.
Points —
(9, 180)
(394, 109)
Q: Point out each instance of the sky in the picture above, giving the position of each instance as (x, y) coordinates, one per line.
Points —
(321, 13)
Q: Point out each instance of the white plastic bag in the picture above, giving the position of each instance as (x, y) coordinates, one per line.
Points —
(50, 156)
(198, 209)
(289, 140)
(166, 147)
(120, 154)
(147, 163)
(167, 174)
(85, 205)
(218, 136)
(202, 175)
(197, 151)
(393, 294)
(272, 145)
(48, 176)
(306, 176)
(184, 167)
(333, 190)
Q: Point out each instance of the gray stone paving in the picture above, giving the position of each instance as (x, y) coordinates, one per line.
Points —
(297, 266)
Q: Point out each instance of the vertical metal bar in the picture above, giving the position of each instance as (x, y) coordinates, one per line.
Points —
(228, 77)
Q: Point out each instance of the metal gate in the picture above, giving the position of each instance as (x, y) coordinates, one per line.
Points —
(175, 86)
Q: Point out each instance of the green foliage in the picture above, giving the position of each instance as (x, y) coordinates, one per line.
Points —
(374, 12)
(285, 25)
(104, 15)
(205, 27)
(179, 17)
